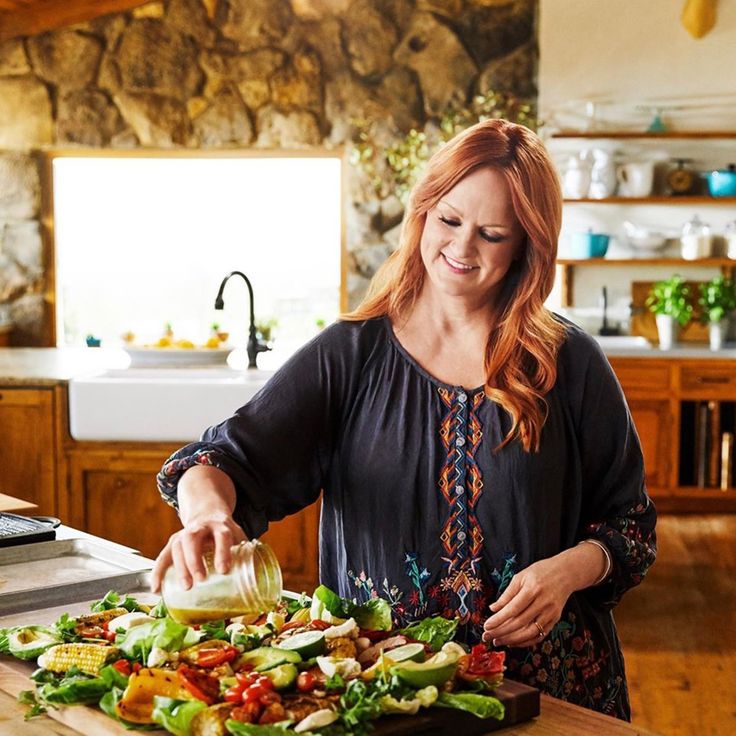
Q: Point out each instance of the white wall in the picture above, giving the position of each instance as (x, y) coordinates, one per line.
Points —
(623, 54)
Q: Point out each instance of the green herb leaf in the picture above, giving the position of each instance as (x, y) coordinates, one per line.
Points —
(214, 630)
(115, 600)
(482, 706)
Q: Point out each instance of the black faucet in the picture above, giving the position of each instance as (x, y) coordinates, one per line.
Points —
(255, 346)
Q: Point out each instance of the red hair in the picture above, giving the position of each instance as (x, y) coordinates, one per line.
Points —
(521, 350)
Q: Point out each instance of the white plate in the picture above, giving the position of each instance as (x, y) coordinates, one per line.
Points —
(178, 356)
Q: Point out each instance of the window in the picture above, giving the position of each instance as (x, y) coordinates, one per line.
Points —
(142, 240)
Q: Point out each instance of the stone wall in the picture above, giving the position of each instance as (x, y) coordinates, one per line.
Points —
(243, 73)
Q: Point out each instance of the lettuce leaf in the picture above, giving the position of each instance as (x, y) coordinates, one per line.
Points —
(175, 715)
(237, 728)
(115, 600)
(163, 633)
(482, 706)
(435, 630)
(375, 614)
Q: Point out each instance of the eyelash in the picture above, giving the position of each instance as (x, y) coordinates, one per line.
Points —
(487, 238)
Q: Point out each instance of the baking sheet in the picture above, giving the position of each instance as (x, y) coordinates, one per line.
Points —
(35, 576)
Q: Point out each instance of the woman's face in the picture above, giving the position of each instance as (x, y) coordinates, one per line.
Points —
(471, 237)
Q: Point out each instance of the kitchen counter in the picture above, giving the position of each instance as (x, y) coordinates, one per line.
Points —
(557, 718)
(50, 366)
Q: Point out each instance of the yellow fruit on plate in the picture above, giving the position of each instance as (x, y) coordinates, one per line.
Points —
(164, 342)
(185, 344)
(213, 342)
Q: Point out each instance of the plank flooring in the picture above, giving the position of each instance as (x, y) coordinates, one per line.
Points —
(678, 630)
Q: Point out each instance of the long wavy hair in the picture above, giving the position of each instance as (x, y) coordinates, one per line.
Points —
(521, 350)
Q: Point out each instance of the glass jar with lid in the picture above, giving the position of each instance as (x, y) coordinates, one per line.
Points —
(696, 240)
(252, 585)
(730, 236)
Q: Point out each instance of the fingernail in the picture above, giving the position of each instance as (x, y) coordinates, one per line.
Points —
(495, 642)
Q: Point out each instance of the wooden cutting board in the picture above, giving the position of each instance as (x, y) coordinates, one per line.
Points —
(521, 701)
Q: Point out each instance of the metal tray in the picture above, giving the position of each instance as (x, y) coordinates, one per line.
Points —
(34, 576)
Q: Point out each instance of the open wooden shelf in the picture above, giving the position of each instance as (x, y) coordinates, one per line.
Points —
(672, 134)
(695, 199)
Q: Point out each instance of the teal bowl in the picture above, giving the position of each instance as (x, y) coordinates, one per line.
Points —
(722, 183)
(589, 245)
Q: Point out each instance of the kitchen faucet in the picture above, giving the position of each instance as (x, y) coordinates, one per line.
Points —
(255, 346)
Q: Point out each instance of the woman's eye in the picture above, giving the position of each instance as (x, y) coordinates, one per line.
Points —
(451, 223)
(491, 238)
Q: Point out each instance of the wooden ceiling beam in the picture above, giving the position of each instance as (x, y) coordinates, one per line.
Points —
(28, 19)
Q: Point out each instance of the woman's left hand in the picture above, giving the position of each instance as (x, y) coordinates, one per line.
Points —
(533, 602)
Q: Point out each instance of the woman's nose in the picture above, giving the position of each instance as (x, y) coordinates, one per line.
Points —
(463, 242)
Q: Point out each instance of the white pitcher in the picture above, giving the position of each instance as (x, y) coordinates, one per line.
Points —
(603, 174)
(576, 178)
(636, 178)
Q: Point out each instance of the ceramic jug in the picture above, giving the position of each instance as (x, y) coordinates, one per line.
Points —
(576, 178)
(603, 175)
(636, 178)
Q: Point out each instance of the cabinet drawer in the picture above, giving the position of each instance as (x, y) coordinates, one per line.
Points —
(648, 379)
(709, 380)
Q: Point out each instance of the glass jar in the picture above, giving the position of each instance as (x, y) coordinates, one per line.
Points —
(696, 239)
(252, 585)
(730, 236)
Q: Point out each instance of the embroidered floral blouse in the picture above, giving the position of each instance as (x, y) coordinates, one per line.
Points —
(417, 507)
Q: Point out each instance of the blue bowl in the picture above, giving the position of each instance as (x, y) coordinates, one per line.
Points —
(589, 245)
(722, 183)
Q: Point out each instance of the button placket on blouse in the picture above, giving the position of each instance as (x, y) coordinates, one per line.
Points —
(460, 440)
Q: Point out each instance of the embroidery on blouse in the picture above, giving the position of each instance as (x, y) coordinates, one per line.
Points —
(568, 665)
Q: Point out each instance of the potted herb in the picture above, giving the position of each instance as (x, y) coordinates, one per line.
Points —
(718, 299)
(669, 300)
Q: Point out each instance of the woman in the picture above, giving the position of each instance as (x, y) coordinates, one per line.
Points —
(475, 451)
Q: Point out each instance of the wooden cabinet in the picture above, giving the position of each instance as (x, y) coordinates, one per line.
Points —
(29, 461)
(112, 493)
(661, 393)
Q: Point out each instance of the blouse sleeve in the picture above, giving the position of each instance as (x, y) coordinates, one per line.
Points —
(275, 448)
(616, 509)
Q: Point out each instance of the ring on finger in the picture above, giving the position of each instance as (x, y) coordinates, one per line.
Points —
(539, 629)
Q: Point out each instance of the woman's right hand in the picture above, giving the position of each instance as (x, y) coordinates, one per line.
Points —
(186, 547)
(206, 497)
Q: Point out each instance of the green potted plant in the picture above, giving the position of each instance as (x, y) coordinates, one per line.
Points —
(718, 299)
(669, 300)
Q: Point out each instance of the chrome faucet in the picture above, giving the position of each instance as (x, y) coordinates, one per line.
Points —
(255, 345)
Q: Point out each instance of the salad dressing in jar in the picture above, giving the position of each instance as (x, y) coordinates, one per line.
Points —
(252, 585)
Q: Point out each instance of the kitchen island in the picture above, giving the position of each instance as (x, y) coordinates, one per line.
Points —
(557, 718)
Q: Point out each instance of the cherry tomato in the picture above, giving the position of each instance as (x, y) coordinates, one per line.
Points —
(246, 678)
(200, 684)
(265, 682)
(268, 698)
(212, 657)
(233, 695)
(483, 661)
(306, 682)
(109, 635)
(137, 666)
(122, 666)
(252, 693)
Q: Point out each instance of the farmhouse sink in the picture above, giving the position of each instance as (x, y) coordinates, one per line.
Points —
(623, 342)
(157, 404)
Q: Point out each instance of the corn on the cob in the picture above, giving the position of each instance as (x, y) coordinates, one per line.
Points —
(97, 619)
(87, 657)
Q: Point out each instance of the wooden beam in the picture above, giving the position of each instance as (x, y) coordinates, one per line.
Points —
(45, 15)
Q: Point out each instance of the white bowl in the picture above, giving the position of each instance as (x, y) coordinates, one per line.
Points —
(644, 239)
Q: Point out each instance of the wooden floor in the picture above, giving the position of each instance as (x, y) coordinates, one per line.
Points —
(678, 630)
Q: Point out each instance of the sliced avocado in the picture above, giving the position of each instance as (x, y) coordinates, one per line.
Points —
(29, 642)
(266, 658)
(436, 671)
(283, 675)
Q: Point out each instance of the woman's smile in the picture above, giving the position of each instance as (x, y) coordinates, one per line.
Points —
(458, 266)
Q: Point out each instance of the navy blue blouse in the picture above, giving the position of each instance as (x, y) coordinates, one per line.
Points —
(418, 507)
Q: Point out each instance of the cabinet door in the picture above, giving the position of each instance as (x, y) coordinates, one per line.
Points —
(656, 430)
(114, 496)
(28, 447)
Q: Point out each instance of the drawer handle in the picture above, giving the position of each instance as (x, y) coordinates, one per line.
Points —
(714, 379)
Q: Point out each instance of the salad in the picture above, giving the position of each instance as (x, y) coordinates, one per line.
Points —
(321, 665)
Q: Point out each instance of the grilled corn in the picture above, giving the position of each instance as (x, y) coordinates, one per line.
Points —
(88, 658)
(97, 619)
